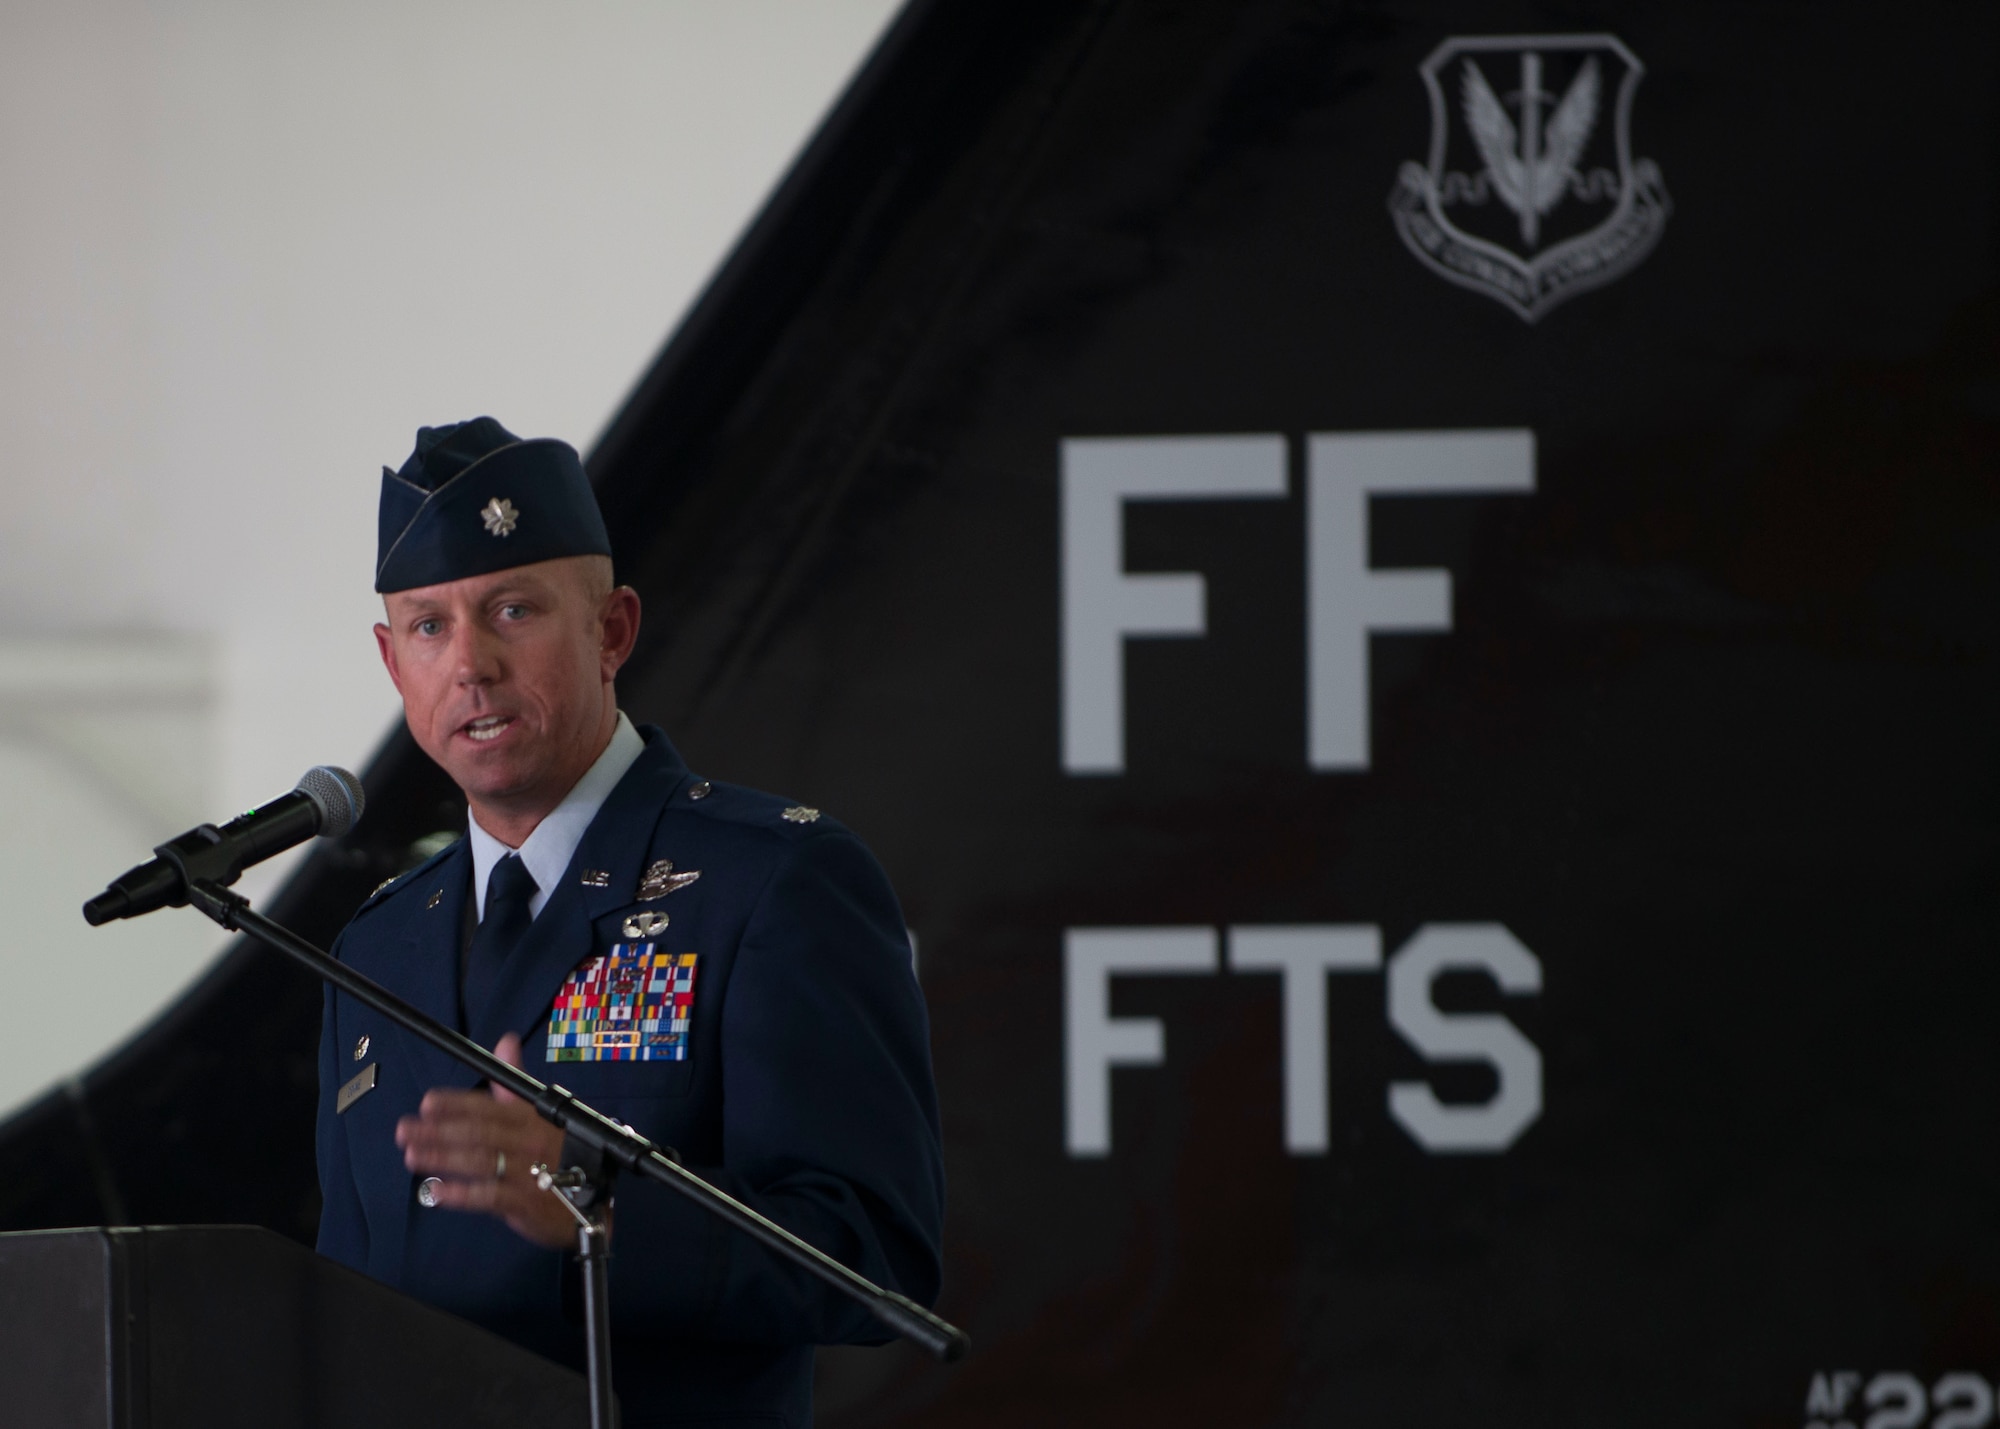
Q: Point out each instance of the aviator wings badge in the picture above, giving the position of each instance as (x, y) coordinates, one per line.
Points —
(659, 880)
(1531, 194)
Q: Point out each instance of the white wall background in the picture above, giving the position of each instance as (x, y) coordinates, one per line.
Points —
(247, 247)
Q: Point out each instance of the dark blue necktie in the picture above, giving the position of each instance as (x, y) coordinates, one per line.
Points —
(509, 887)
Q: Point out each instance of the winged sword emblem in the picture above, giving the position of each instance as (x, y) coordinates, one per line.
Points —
(1531, 194)
(1531, 166)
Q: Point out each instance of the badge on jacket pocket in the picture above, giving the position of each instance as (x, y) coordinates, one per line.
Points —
(630, 1005)
(358, 1086)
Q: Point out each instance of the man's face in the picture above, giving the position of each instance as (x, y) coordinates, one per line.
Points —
(506, 678)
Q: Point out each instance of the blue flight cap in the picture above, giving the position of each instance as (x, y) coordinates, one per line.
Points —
(474, 498)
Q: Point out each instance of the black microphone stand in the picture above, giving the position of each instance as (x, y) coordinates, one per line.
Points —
(603, 1147)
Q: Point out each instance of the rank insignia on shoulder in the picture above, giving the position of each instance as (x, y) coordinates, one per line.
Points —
(641, 926)
(631, 1005)
(385, 883)
(659, 880)
(799, 814)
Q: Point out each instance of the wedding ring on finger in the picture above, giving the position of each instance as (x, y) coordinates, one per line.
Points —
(499, 1165)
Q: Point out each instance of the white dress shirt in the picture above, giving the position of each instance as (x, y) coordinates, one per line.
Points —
(552, 845)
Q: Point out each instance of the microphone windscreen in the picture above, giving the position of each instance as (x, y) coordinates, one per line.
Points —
(337, 795)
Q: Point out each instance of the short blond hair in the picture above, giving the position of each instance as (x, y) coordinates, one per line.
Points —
(599, 579)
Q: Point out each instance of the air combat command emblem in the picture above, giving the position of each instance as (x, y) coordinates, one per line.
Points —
(1531, 195)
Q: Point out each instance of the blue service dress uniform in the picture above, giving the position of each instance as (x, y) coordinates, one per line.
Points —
(800, 1083)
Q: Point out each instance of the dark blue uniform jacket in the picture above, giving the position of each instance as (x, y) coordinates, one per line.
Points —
(806, 1091)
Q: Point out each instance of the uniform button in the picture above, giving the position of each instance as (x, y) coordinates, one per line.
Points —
(361, 1048)
(427, 1190)
(700, 790)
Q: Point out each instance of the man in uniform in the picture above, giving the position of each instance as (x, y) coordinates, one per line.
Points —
(725, 971)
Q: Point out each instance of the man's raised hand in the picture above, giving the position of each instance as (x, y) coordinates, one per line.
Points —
(481, 1144)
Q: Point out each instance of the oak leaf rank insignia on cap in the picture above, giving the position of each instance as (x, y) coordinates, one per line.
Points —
(499, 516)
(456, 507)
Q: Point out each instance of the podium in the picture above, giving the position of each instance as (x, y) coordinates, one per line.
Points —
(172, 1327)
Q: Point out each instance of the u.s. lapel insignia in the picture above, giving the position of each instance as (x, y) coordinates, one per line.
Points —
(596, 878)
(659, 880)
(643, 927)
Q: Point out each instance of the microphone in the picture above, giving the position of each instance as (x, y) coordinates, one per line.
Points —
(326, 802)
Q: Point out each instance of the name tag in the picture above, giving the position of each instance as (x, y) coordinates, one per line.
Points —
(358, 1086)
(630, 1005)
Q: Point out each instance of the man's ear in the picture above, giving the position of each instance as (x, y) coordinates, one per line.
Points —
(620, 622)
(388, 648)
